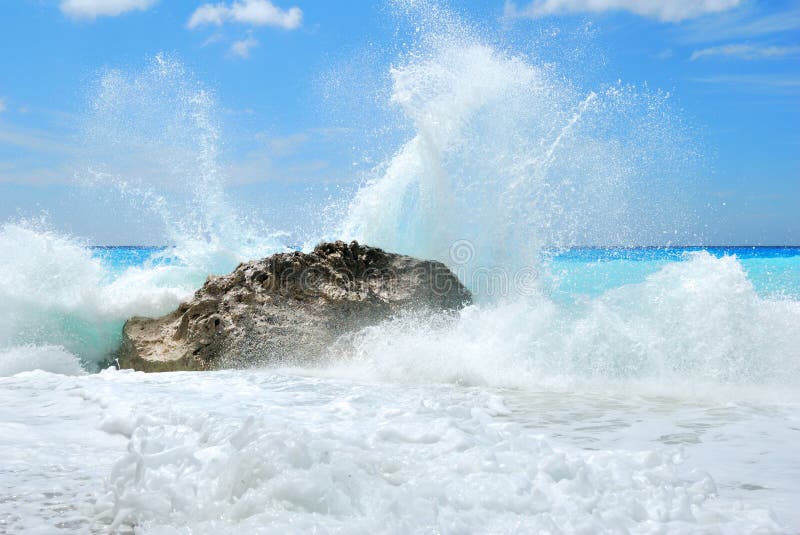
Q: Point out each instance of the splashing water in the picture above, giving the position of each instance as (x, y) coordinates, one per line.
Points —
(508, 161)
(151, 135)
(508, 155)
(154, 136)
(55, 292)
(695, 327)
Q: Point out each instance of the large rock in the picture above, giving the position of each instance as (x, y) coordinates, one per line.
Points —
(287, 308)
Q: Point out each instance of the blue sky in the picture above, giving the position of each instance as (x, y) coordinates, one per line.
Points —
(733, 67)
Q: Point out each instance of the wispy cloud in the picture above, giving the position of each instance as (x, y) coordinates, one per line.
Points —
(242, 47)
(667, 53)
(281, 146)
(287, 145)
(754, 82)
(32, 140)
(663, 10)
(741, 24)
(35, 157)
(91, 9)
(3, 105)
(248, 12)
(36, 175)
(214, 38)
(293, 158)
(743, 51)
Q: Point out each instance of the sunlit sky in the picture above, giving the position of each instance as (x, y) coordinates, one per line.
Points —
(732, 67)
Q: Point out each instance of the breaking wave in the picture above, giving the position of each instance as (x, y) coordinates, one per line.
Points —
(507, 159)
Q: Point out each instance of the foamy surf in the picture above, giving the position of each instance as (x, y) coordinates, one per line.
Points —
(227, 451)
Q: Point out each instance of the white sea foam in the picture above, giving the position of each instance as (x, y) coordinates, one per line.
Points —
(53, 292)
(232, 451)
(695, 327)
(54, 359)
(257, 451)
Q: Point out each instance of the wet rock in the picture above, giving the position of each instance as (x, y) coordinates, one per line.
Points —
(288, 308)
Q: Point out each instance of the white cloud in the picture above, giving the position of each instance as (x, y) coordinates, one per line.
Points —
(287, 145)
(250, 12)
(667, 53)
(32, 140)
(216, 37)
(90, 9)
(664, 10)
(242, 48)
(770, 84)
(745, 51)
(741, 25)
(3, 104)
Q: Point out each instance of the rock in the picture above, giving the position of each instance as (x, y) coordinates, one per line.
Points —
(288, 308)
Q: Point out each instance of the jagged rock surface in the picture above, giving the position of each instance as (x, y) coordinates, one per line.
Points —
(287, 308)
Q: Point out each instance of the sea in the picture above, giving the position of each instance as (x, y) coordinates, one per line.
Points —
(654, 392)
(634, 386)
